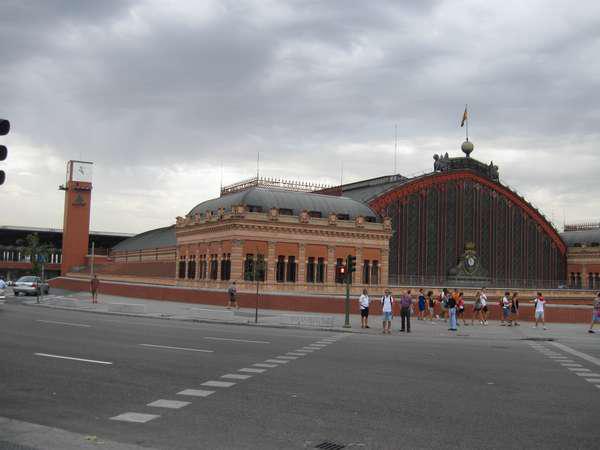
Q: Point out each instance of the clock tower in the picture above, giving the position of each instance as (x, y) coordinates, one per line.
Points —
(76, 224)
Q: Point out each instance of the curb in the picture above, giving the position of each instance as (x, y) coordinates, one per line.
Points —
(194, 320)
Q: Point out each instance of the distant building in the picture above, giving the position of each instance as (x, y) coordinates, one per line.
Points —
(14, 263)
(583, 255)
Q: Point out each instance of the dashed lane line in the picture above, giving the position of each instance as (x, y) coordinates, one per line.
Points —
(215, 383)
(196, 392)
(70, 324)
(235, 340)
(135, 417)
(251, 370)
(296, 354)
(268, 366)
(235, 376)
(277, 361)
(48, 355)
(199, 350)
(170, 404)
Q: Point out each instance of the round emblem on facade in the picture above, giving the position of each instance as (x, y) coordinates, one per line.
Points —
(470, 261)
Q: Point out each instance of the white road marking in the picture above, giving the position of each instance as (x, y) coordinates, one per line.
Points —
(277, 361)
(82, 325)
(587, 374)
(251, 370)
(570, 365)
(171, 404)
(593, 380)
(296, 354)
(178, 348)
(213, 383)
(306, 349)
(578, 369)
(269, 366)
(73, 359)
(235, 340)
(135, 417)
(236, 376)
(574, 352)
(196, 392)
(286, 357)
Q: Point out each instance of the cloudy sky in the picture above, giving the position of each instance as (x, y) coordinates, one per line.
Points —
(161, 94)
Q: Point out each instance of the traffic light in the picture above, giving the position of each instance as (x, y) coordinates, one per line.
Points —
(351, 263)
(4, 129)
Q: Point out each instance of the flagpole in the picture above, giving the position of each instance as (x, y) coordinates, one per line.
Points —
(467, 123)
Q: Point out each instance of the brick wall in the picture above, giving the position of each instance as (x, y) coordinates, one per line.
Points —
(321, 304)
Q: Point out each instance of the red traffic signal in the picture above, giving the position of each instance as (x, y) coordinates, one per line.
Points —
(4, 129)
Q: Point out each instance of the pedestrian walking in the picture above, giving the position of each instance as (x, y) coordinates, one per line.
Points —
(431, 305)
(421, 304)
(2, 288)
(94, 286)
(477, 309)
(514, 310)
(595, 313)
(505, 309)
(539, 302)
(232, 292)
(460, 308)
(387, 301)
(406, 302)
(452, 313)
(484, 308)
(363, 302)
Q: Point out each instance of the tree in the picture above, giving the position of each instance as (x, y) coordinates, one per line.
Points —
(35, 251)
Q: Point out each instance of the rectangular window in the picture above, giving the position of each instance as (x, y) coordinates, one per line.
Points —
(261, 268)
(291, 269)
(310, 270)
(315, 214)
(366, 278)
(192, 267)
(343, 217)
(225, 266)
(286, 212)
(375, 272)
(249, 267)
(181, 271)
(280, 269)
(339, 276)
(214, 266)
(321, 270)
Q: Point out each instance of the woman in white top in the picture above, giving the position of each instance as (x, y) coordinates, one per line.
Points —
(363, 302)
(484, 309)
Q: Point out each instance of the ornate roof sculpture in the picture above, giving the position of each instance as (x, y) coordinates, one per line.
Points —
(576, 235)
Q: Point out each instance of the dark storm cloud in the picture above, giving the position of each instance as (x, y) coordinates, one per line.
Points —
(160, 94)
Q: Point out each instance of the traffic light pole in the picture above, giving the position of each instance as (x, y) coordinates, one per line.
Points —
(347, 320)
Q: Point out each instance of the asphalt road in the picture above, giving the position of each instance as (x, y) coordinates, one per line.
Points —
(482, 388)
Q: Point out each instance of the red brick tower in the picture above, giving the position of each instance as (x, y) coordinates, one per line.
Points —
(76, 225)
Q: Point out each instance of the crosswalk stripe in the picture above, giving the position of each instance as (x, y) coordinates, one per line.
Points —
(196, 392)
(135, 417)
(214, 383)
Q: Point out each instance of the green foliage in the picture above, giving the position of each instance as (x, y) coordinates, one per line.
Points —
(33, 249)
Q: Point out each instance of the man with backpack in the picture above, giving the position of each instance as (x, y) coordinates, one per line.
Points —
(387, 301)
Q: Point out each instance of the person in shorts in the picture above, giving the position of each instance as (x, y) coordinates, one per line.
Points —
(421, 304)
(431, 305)
(477, 309)
(363, 303)
(539, 302)
(505, 305)
(387, 302)
(514, 310)
(595, 313)
(232, 292)
(484, 309)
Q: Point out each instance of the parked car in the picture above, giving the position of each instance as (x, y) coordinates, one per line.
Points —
(30, 285)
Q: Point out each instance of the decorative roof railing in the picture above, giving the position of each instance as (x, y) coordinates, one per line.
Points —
(280, 183)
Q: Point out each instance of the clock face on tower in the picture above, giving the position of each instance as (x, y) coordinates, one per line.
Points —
(81, 171)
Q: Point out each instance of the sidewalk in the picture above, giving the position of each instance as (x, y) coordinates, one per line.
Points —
(127, 306)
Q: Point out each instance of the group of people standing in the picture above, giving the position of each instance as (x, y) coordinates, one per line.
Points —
(451, 308)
